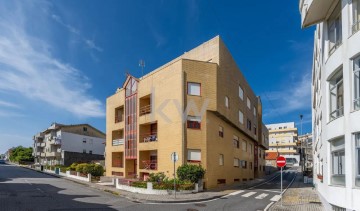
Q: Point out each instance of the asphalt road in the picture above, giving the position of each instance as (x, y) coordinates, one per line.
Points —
(24, 189)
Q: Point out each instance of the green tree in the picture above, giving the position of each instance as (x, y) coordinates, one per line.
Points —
(188, 172)
(22, 154)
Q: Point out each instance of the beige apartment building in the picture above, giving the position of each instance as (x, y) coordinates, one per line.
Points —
(198, 105)
(283, 140)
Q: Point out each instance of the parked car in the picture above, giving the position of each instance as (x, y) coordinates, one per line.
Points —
(2, 161)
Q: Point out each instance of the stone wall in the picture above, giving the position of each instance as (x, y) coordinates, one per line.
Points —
(75, 157)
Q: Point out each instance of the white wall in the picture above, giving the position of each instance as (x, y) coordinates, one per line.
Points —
(74, 143)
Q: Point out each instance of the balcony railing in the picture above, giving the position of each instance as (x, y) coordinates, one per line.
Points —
(117, 163)
(355, 27)
(118, 142)
(149, 164)
(119, 118)
(149, 137)
(357, 104)
(337, 113)
(145, 110)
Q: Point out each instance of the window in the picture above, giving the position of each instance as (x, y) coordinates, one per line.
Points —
(356, 15)
(194, 122)
(334, 27)
(251, 149)
(221, 131)
(338, 161)
(90, 152)
(236, 162)
(255, 129)
(85, 129)
(194, 155)
(226, 102)
(356, 67)
(336, 88)
(244, 145)
(357, 159)
(236, 142)
(254, 112)
(241, 117)
(248, 125)
(221, 159)
(194, 88)
(241, 93)
(244, 164)
(248, 103)
(84, 140)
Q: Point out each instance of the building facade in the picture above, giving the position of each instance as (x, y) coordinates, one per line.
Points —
(283, 139)
(200, 106)
(65, 144)
(305, 148)
(335, 99)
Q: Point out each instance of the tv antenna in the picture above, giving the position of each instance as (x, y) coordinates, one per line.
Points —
(142, 65)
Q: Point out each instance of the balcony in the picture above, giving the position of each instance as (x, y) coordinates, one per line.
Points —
(119, 114)
(148, 160)
(53, 154)
(117, 159)
(38, 154)
(145, 105)
(118, 138)
(314, 11)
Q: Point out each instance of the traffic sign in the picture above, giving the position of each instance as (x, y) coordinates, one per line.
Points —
(281, 161)
(174, 157)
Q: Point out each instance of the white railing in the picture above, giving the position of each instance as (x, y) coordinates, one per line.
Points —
(337, 113)
(117, 142)
(355, 27)
(357, 104)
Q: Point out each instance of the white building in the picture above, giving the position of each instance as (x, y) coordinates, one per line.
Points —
(65, 144)
(335, 99)
(282, 139)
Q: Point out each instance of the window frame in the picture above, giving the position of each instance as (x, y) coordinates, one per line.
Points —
(193, 160)
(221, 131)
(337, 154)
(248, 102)
(227, 102)
(221, 160)
(335, 18)
(336, 81)
(241, 93)
(191, 124)
(355, 19)
(357, 158)
(187, 88)
(241, 120)
(356, 82)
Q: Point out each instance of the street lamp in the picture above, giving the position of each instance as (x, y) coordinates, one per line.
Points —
(301, 146)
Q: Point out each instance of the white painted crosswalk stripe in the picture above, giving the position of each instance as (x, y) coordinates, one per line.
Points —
(236, 193)
(261, 196)
(248, 194)
(275, 198)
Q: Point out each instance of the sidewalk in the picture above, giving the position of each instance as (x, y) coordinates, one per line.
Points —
(180, 198)
(299, 197)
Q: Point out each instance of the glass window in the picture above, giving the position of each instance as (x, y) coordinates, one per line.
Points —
(334, 27)
(357, 159)
(336, 88)
(356, 67)
(236, 142)
(338, 161)
(241, 93)
(241, 117)
(236, 162)
(194, 88)
(226, 102)
(248, 103)
(194, 155)
(356, 15)
(221, 159)
(244, 145)
(254, 111)
(194, 122)
(248, 124)
(221, 131)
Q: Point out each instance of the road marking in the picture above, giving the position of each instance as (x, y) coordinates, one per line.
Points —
(236, 193)
(268, 206)
(248, 194)
(275, 198)
(40, 190)
(28, 182)
(261, 196)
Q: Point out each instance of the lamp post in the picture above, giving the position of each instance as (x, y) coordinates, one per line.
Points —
(301, 146)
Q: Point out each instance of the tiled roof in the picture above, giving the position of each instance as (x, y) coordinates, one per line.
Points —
(271, 155)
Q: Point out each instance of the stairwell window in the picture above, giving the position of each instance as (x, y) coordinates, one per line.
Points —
(335, 29)
(193, 88)
(194, 155)
(336, 88)
(356, 67)
(193, 122)
(226, 101)
(356, 16)
(221, 131)
(337, 147)
(221, 159)
(357, 159)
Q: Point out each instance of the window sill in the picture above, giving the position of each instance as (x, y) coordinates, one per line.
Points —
(194, 95)
(335, 119)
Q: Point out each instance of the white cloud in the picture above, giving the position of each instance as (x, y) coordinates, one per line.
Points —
(295, 97)
(28, 68)
(8, 104)
(90, 43)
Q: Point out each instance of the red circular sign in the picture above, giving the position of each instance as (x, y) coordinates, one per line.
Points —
(281, 161)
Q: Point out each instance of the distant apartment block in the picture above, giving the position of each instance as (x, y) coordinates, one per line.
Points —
(335, 99)
(283, 140)
(65, 144)
(305, 148)
(200, 106)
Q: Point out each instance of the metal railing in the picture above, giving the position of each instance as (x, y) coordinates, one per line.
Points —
(119, 118)
(337, 113)
(117, 142)
(355, 27)
(357, 104)
(117, 163)
(145, 110)
(150, 137)
(149, 164)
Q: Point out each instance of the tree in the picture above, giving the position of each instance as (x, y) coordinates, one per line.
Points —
(22, 154)
(188, 172)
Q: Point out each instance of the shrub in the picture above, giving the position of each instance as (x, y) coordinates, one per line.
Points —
(156, 177)
(81, 168)
(72, 167)
(93, 169)
(139, 184)
(188, 172)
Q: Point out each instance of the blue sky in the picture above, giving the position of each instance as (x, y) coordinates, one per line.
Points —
(60, 60)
